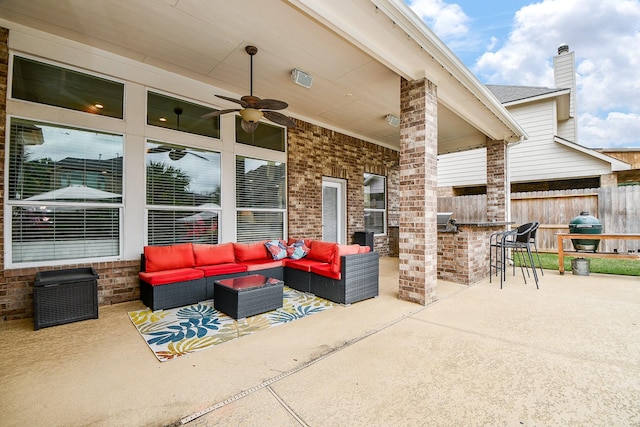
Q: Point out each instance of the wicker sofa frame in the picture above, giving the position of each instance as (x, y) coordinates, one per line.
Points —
(359, 280)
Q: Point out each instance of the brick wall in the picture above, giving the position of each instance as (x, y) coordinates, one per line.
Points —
(117, 282)
(314, 153)
(463, 257)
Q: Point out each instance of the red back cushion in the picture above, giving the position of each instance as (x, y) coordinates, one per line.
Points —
(322, 251)
(213, 254)
(364, 250)
(341, 250)
(159, 258)
(250, 251)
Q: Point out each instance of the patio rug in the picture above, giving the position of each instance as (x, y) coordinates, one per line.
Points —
(183, 330)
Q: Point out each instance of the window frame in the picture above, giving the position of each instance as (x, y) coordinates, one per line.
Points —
(11, 204)
(152, 91)
(192, 209)
(240, 210)
(376, 210)
(74, 69)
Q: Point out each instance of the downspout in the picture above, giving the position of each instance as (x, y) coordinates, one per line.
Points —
(507, 173)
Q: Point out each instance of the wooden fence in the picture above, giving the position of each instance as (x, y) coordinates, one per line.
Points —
(617, 208)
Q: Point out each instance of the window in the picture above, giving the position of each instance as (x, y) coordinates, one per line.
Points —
(47, 84)
(183, 194)
(172, 113)
(265, 136)
(261, 194)
(64, 192)
(375, 203)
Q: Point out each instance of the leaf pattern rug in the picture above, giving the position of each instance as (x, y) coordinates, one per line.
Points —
(183, 330)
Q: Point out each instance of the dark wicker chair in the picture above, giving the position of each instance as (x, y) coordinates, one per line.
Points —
(516, 242)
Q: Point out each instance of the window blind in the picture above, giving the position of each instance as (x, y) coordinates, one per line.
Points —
(65, 192)
(261, 194)
(183, 194)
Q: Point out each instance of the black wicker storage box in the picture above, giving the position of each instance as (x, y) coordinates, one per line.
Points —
(64, 296)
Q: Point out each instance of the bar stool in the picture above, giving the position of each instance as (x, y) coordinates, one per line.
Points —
(517, 243)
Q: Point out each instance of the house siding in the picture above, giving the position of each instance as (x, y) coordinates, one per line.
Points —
(539, 158)
(466, 168)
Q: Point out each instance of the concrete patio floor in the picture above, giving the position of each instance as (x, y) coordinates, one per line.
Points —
(567, 354)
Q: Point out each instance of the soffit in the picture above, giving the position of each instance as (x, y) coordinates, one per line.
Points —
(354, 52)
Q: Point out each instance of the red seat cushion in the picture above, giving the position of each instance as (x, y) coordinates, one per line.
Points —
(159, 258)
(213, 254)
(322, 251)
(251, 251)
(170, 276)
(227, 268)
(301, 264)
(325, 270)
(262, 264)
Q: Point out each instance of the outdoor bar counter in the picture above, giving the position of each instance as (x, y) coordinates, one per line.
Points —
(463, 250)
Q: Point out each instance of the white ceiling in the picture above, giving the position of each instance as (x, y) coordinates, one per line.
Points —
(205, 40)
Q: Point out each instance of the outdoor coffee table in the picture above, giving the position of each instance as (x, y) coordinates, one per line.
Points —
(247, 295)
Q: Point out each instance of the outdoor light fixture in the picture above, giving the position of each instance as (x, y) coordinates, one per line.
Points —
(393, 120)
(301, 78)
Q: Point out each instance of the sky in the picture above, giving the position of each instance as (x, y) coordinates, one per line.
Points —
(514, 42)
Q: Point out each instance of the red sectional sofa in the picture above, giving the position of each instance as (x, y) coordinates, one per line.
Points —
(183, 274)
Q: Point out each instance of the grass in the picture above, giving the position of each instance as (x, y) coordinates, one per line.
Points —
(624, 267)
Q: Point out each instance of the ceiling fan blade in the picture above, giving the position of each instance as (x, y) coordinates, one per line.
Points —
(272, 104)
(248, 127)
(218, 113)
(160, 149)
(252, 101)
(237, 101)
(279, 118)
(197, 155)
(177, 154)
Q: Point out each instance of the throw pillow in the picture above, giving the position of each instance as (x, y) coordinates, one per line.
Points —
(297, 250)
(277, 249)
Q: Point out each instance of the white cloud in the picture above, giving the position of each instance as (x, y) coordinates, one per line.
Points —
(614, 130)
(446, 20)
(605, 36)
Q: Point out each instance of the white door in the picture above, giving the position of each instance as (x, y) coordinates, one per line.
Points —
(333, 210)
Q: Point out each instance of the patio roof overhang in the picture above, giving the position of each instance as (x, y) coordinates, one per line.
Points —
(356, 51)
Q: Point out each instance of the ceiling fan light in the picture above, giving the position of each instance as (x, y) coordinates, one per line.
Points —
(251, 115)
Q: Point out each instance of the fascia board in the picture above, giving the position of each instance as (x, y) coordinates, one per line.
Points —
(538, 98)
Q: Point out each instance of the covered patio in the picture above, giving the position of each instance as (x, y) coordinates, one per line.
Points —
(562, 355)
(373, 63)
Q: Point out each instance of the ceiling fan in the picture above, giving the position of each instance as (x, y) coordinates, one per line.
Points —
(254, 108)
(174, 153)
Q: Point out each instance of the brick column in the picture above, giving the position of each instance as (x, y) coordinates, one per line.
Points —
(496, 181)
(418, 191)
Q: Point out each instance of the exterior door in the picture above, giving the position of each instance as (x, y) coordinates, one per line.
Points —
(333, 210)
